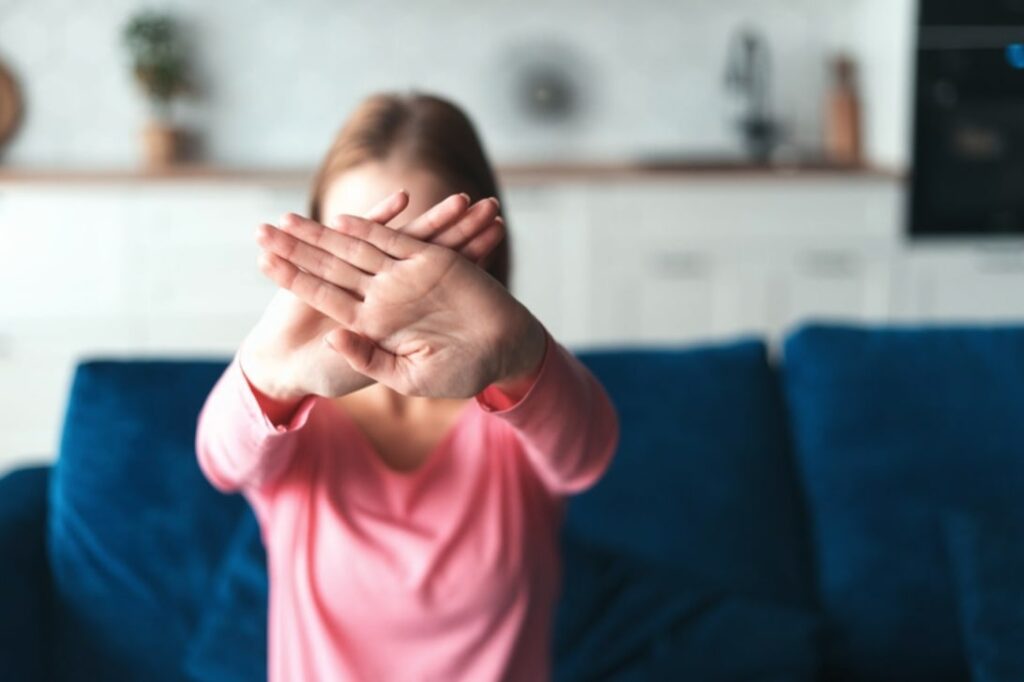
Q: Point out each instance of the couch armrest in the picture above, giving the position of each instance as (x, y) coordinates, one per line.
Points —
(24, 574)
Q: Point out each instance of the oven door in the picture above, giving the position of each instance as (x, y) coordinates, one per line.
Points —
(969, 141)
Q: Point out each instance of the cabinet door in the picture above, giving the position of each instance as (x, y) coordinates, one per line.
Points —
(677, 262)
(62, 298)
(849, 282)
(679, 296)
(549, 233)
(63, 253)
(963, 282)
(200, 288)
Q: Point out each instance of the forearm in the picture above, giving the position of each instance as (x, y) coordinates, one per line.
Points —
(237, 443)
(565, 421)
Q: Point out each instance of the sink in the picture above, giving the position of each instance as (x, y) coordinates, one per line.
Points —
(726, 164)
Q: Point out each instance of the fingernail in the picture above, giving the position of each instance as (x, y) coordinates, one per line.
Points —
(495, 200)
(289, 219)
(464, 196)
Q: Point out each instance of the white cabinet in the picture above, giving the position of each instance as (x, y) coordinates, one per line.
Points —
(550, 234)
(62, 254)
(963, 281)
(169, 268)
(709, 259)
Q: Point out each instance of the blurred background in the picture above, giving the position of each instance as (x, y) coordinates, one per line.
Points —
(673, 170)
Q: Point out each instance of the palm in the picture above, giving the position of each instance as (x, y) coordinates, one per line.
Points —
(435, 312)
(285, 351)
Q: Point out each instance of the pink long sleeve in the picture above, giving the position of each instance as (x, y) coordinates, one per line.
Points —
(237, 445)
(566, 423)
(449, 571)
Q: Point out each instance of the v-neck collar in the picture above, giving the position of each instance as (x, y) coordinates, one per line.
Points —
(429, 462)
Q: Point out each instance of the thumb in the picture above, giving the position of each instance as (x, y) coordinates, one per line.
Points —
(363, 355)
(387, 209)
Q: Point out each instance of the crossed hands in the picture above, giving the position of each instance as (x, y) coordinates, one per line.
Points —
(408, 307)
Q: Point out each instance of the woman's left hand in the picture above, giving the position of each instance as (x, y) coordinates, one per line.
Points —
(417, 317)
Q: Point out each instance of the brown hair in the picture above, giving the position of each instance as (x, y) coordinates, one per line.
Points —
(431, 133)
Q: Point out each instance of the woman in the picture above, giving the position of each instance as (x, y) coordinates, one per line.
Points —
(411, 524)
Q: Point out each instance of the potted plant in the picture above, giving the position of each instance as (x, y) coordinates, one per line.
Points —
(160, 66)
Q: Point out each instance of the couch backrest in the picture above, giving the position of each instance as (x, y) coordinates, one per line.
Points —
(703, 478)
(134, 531)
(690, 558)
(694, 541)
(895, 430)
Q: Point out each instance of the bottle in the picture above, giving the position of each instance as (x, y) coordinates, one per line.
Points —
(843, 118)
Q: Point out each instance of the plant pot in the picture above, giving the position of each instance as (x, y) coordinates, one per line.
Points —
(161, 145)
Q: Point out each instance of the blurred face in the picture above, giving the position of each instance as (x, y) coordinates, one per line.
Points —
(359, 189)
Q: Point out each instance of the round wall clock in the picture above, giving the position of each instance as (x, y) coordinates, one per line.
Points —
(547, 83)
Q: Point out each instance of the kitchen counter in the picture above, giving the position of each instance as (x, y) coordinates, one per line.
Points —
(655, 169)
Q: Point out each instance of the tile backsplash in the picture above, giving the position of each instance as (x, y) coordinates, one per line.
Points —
(276, 79)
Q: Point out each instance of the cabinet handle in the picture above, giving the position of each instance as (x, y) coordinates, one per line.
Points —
(680, 264)
(830, 264)
(1001, 264)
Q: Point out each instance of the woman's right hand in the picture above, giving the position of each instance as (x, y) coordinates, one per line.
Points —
(284, 356)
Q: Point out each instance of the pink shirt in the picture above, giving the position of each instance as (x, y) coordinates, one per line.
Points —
(448, 572)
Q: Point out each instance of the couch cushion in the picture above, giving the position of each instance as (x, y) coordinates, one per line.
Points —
(892, 427)
(623, 618)
(230, 644)
(134, 530)
(701, 516)
(987, 561)
(24, 575)
(703, 478)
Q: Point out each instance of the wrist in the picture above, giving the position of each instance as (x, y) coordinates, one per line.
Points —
(268, 385)
(277, 409)
(526, 347)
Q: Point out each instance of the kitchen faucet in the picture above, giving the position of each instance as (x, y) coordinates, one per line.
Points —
(748, 75)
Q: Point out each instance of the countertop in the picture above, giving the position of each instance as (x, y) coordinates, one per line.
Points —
(511, 173)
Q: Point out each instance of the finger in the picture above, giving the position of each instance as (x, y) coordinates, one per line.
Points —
(330, 300)
(478, 218)
(390, 243)
(481, 246)
(311, 259)
(354, 251)
(437, 218)
(364, 356)
(388, 209)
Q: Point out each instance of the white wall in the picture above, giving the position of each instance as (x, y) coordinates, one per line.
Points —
(277, 78)
(883, 40)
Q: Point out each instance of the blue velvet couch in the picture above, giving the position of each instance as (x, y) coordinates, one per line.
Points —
(854, 511)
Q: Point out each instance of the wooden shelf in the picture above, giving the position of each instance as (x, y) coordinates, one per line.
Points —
(685, 169)
(180, 173)
(510, 173)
